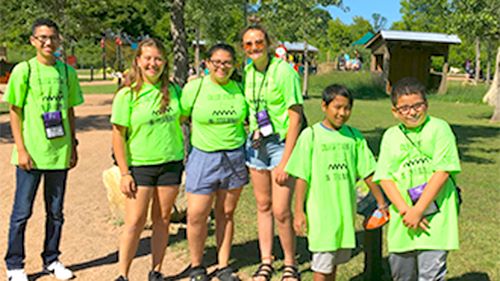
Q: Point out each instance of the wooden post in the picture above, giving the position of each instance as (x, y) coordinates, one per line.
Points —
(478, 59)
(197, 52)
(306, 73)
(443, 86)
(386, 69)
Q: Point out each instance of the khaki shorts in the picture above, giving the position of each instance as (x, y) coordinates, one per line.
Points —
(324, 262)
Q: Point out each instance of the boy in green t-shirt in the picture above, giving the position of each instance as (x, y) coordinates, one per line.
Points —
(418, 161)
(41, 93)
(327, 161)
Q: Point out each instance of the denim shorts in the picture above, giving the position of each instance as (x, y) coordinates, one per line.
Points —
(169, 173)
(268, 155)
(323, 262)
(208, 171)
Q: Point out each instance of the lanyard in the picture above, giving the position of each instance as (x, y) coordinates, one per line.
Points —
(257, 101)
(60, 95)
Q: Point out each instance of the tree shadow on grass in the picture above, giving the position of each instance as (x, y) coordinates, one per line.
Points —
(143, 249)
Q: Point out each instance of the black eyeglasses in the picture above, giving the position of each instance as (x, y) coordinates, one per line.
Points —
(219, 63)
(405, 109)
(43, 39)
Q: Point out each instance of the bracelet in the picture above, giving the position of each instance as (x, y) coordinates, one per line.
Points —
(382, 207)
(126, 173)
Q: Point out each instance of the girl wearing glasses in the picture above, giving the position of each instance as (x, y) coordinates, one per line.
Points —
(216, 165)
(272, 91)
(148, 147)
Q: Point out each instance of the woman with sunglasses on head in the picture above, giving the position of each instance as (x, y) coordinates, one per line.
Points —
(148, 147)
(272, 91)
(216, 165)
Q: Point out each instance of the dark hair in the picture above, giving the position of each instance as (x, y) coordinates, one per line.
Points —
(135, 75)
(224, 47)
(407, 86)
(330, 92)
(44, 22)
(259, 28)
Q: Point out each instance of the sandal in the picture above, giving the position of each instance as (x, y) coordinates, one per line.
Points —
(265, 270)
(226, 274)
(198, 273)
(290, 271)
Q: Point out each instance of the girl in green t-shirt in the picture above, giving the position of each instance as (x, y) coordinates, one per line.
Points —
(273, 94)
(215, 170)
(148, 146)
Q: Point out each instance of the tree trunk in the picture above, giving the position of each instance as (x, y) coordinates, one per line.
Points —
(492, 97)
(478, 59)
(306, 73)
(443, 86)
(180, 44)
(197, 52)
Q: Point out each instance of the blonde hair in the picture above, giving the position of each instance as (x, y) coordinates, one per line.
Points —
(135, 75)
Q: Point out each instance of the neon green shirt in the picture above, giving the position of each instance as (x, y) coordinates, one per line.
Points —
(279, 89)
(407, 167)
(331, 166)
(153, 137)
(49, 89)
(218, 114)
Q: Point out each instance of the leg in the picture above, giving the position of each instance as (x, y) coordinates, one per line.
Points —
(163, 200)
(26, 186)
(432, 265)
(318, 276)
(54, 190)
(403, 266)
(225, 205)
(199, 206)
(281, 198)
(261, 181)
(135, 218)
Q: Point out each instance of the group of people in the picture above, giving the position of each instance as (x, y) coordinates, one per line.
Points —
(279, 155)
(345, 62)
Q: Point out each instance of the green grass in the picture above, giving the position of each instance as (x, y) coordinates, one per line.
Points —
(99, 89)
(479, 145)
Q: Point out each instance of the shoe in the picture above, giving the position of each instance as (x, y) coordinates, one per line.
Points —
(59, 271)
(16, 275)
(198, 273)
(121, 278)
(226, 274)
(155, 276)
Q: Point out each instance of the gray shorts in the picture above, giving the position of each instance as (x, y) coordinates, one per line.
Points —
(418, 265)
(208, 171)
(324, 262)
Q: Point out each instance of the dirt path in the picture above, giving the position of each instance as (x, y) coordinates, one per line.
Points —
(90, 240)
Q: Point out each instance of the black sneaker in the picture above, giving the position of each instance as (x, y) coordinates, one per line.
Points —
(226, 274)
(198, 273)
(155, 276)
(121, 278)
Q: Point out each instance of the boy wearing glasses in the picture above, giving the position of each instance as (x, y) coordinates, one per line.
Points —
(41, 94)
(416, 168)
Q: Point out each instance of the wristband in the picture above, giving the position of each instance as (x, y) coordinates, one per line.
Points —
(126, 173)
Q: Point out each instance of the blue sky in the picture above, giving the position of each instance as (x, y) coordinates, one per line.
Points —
(365, 8)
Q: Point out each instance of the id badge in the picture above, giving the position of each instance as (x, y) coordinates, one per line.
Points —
(264, 123)
(416, 192)
(53, 124)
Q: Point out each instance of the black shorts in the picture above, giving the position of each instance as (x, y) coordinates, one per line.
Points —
(169, 173)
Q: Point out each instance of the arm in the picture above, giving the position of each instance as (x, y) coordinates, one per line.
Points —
(127, 184)
(299, 221)
(295, 115)
(395, 197)
(414, 215)
(24, 159)
(377, 193)
(74, 154)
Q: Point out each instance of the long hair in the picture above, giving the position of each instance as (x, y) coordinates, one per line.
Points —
(135, 75)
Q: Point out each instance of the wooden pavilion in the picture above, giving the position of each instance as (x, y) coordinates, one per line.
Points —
(398, 54)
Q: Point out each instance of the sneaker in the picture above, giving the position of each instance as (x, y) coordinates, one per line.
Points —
(16, 275)
(121, 278)
(59, 271)
(226, 274)
(155, 276)
(198, 273)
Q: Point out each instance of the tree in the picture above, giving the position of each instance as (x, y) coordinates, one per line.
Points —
(179, 42)
(492, 97)
(379, 22)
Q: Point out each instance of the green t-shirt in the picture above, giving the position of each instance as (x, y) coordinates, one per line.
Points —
(218, 114)
(276, 90)
(330, 161)
(153, 137)
(408, 167)
(48, 89)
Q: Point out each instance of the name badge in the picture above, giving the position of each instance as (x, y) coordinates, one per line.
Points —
(52, 122)
(264, 122)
